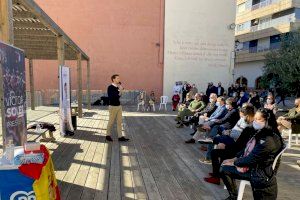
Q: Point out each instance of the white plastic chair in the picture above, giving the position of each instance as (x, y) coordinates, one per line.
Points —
(243, 183)
(142, 103)
(163, 101)
(290, 136)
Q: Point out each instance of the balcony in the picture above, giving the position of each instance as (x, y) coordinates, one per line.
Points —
(262, 31)
(264, 4)
(265, 8)
(255, 53)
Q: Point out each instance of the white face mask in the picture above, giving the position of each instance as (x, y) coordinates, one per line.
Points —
(218, 104)
(269, 101)
(258, 125)
(211, 100)
(227, 107)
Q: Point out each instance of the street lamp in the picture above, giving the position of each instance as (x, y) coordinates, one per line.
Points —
(236, 44)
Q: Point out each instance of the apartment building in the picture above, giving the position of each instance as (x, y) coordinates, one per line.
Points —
(259, 25)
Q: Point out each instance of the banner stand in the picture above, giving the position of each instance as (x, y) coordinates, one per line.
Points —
(66, 127)
(13, 95)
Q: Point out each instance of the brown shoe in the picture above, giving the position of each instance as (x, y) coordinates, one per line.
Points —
(108, 138)
(203, 148)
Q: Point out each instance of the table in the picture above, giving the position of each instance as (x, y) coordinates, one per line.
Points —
(31, 181)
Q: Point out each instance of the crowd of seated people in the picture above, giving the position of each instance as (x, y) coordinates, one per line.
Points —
(241, 137)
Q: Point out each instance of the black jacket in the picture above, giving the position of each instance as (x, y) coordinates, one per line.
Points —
(255, 101)
(268, 145)
(113, 95)
(240, 144)
(230, 119)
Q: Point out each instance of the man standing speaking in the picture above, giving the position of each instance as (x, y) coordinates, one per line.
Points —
(114, 92)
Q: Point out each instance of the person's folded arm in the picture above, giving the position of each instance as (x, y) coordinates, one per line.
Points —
(260, 152)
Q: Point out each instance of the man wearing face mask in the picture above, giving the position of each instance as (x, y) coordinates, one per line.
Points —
(205, 121)
(243, 99)
(255, 162)
(207, 111)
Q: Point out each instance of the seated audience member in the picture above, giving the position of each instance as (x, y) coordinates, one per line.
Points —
(220, 125)
(206, 121)
(175, 101)
(207, 111)
(293, 116)
(151, 100)
(186, 103)
(271, 104)
(254, 99)
(195, 106)
(231, 142)
(255, 162)
(243, 99)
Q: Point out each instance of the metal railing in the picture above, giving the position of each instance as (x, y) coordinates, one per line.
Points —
(272, 23)
(258, 49)
(264, 4)
(50, 97)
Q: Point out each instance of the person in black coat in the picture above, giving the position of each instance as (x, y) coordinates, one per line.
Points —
(220, 90)
(254, 163)
(254, 100)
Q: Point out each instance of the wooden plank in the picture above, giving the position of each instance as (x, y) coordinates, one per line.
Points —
(79, 85)
(104, 173)
(6, 25)
(88, 85)
(31, 82)
(146, 175)
(89, 190)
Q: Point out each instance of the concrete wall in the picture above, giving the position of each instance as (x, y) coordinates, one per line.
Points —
(198, 42)
(249, 70)
(124, 37)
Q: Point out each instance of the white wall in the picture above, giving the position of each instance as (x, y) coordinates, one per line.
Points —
(250, 70)
(198, 42)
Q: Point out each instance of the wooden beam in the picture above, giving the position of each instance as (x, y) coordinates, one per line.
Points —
(31, 81)
(61, 51)
(88, 85)
(6, 23)
(79, 85)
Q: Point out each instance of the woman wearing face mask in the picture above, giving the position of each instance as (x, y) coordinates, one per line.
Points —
(254, 163)
(270, 104)
(231, 142)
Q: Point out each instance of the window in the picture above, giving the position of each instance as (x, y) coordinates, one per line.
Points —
(275, 42)
(241, 8)
(253, 46)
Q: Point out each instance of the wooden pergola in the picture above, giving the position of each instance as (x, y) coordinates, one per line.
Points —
(25, 25)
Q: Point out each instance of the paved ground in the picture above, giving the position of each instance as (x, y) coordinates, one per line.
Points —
(156, 164)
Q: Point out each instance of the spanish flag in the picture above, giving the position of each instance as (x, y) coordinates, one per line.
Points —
(45, 184)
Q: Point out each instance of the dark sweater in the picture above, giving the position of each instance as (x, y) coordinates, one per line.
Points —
(113, 95)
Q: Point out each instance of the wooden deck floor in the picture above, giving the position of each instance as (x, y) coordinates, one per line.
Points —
(155, 164)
